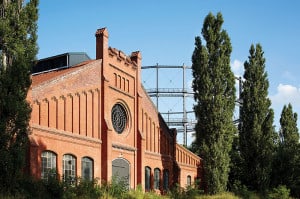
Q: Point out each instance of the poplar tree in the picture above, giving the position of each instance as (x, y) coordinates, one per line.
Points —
(256, 119)
(286, 169)
(214, 89)
(289, 135)
(18, 49)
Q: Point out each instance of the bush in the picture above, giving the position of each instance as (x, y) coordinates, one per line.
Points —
(17, 196)
(226, 195)
(242, 191)
(193, 191)
(281, 192)
(82, 189)
(31, 188)
(54, 187)
(189, 192)
(88, 189)
(117, 188)
(135, 194)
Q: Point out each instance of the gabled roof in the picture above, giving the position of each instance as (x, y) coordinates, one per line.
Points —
(48, 75)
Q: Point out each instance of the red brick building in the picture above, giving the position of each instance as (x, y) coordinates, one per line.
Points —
(95, 120)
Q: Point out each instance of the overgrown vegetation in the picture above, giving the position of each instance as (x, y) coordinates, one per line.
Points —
(116, 189)
(55, 189)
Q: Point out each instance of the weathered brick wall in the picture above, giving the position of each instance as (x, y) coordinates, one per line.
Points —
(189, 165)
(66, 116)
(71, 114)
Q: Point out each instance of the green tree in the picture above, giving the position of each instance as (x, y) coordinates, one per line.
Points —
(18, 22)
(256, 119)
(286, 169)
(236, 170)
(214, 89)
(289, 134)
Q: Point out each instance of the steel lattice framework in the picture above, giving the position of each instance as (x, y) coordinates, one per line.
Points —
(187, 124)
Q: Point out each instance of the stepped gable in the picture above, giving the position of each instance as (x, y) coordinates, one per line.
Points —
(121, 56)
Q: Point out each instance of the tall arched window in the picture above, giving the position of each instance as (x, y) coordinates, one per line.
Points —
(120, 171)
(69, 168)
(189, 180)
(48, 164)
(166, 179)
(156, 178)
(147, 178)
(87, 165)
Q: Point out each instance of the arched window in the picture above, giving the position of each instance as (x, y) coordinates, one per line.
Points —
(87, 165)
(147, 178)
(69, 168)
(189, 180)
(120, 171)
(166, 179)
(48, 164)
(156, 178)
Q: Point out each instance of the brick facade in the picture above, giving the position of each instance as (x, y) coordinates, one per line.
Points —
(76, 130)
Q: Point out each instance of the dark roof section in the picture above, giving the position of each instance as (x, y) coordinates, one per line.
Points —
(61, 61)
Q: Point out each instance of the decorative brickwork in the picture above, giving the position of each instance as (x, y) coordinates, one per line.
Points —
(98, 113)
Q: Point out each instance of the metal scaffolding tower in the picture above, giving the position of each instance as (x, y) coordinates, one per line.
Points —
(158, 92)
(185, 123)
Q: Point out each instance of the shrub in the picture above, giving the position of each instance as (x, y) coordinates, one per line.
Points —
(88, 189)
(281, 192)
(226, 195)
(54, 187)
(17, 196)
(242, 191)
(82, 189)
(32, 188)
(189, 192)
(117, 188)
(135, 194)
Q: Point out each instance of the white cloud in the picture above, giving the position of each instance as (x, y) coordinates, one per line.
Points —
(286, 94)
(237, 67)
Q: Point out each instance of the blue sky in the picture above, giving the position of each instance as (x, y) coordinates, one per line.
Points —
(164, 31)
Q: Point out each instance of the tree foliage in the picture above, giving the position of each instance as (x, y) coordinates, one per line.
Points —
(214, 89)
(256, 119)
(18, 47)
(286, 169)
(289, 134)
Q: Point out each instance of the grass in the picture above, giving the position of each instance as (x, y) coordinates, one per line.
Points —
(226, 195)
(151, 195)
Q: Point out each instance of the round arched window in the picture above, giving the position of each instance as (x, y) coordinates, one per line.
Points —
(119, 118)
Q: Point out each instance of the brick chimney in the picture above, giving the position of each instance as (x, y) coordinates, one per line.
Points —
(137, 58)
(101, 43)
